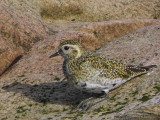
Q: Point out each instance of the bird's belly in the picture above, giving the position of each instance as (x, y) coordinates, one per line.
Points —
(91, 87)
(94, 86)
(100, 85)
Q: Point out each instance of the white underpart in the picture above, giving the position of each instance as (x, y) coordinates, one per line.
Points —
(94, 86)
(108, 84)
(149, 73)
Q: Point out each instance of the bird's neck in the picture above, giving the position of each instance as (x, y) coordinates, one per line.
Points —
(67, 58)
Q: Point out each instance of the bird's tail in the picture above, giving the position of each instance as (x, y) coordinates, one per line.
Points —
(147, 68)
(141, 69)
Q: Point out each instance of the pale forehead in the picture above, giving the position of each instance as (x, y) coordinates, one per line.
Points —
(74, 46)
(70, 43)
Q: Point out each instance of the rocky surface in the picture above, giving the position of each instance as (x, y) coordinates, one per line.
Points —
(30, 82)
(20, 28)
(104, 32)
(100, 10)
(32, 90)
(139, 48)
(9, 53)
(23, 23)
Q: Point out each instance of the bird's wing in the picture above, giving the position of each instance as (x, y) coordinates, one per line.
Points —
(113, 69)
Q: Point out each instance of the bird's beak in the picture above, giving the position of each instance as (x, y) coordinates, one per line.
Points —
(54, 55)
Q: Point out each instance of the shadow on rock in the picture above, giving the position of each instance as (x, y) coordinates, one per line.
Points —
(55, 92)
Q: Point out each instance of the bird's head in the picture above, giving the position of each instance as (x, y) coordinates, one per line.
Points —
(69, 49)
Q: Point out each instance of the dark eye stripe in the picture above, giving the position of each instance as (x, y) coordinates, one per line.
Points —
(66, 47)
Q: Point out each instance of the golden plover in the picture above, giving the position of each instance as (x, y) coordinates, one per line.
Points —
(93, 72)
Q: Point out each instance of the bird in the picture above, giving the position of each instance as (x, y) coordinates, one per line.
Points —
(93, 72)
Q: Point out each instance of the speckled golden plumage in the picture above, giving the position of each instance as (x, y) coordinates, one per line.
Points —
(94, 72)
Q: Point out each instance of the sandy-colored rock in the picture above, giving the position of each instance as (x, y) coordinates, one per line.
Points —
(152, 109)
(25, 26)
(34, 83)
(88, 39)
(31, 89)
(104, 32)
(140, 47)
(9, 53)
(96, 34)
(20, 28)
(148, 112)
(99, 10)
(21, 22)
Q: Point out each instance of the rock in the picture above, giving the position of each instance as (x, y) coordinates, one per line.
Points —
(34, 82)
(49, 45)
(9, 54)
(20, 28)
(32, 88)
(140, 47)
(148, 112)
(24, 26)
(104, 32)
(99, 10)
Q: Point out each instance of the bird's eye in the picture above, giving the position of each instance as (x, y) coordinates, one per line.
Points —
(66, 47)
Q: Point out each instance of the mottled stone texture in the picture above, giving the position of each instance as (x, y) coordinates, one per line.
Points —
(100, 10)
(30, 31)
